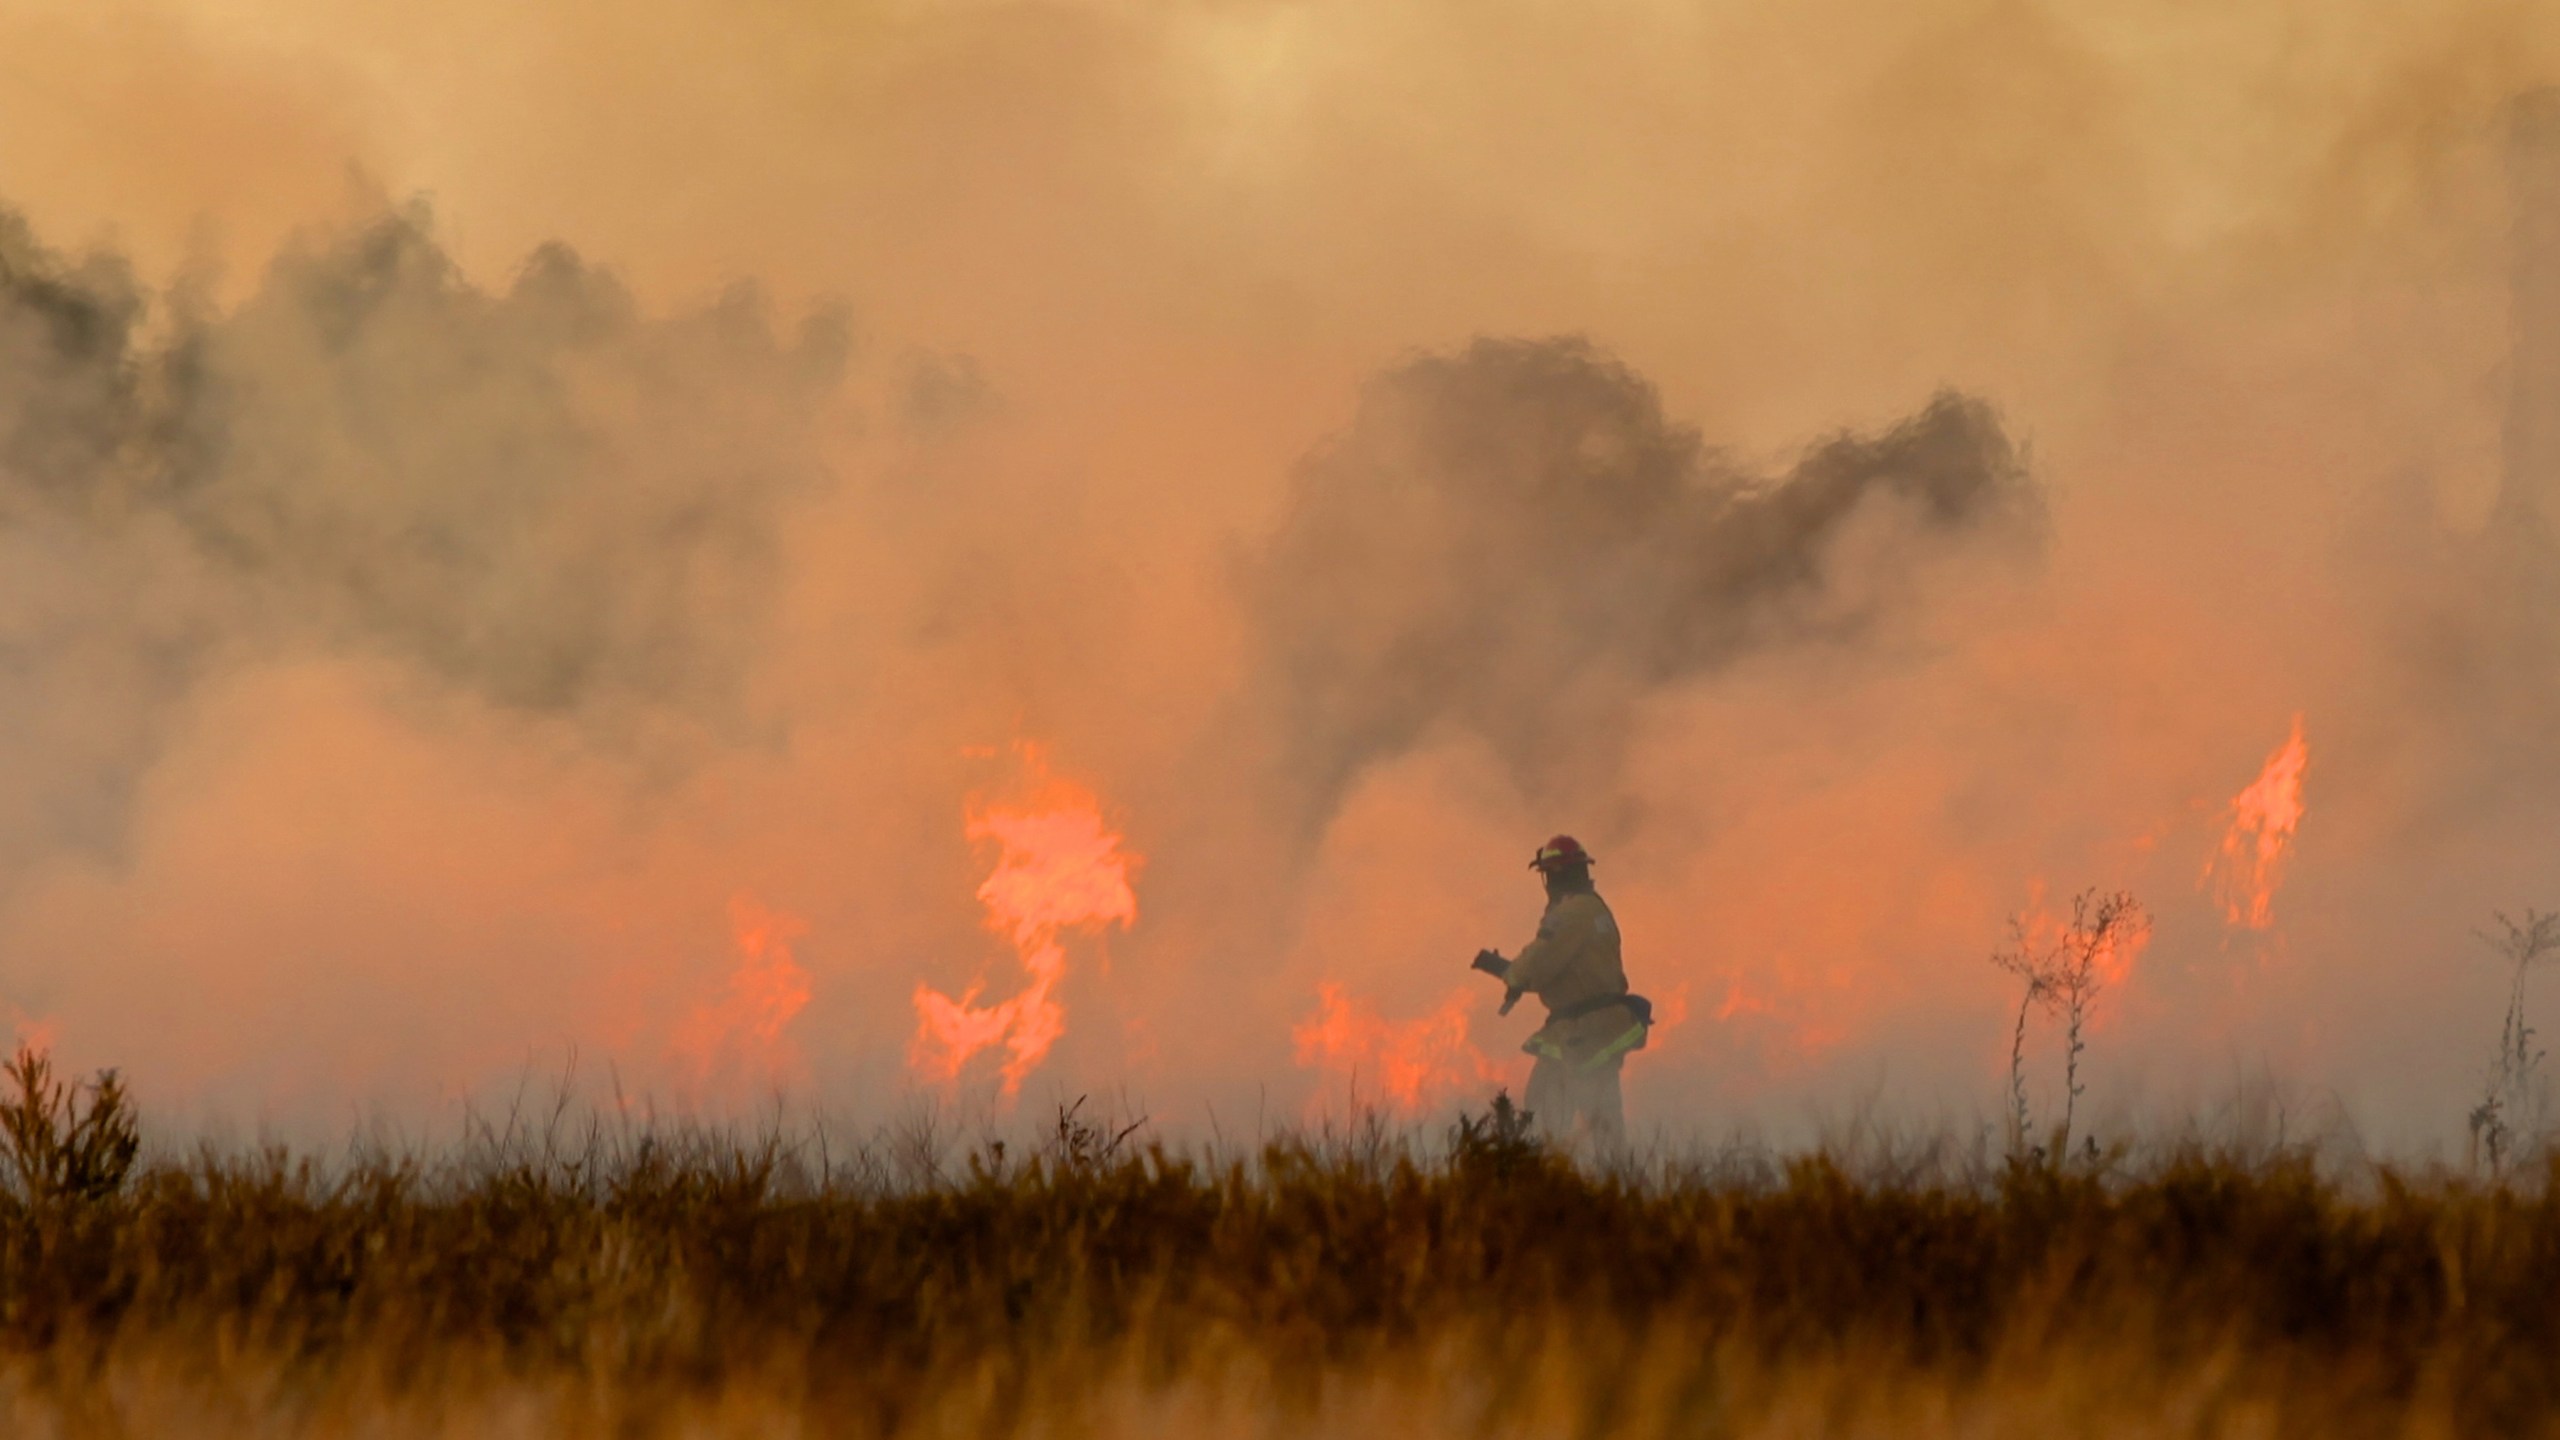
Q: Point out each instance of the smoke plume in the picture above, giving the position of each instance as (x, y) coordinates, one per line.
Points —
(1515, 541)
(538, 497)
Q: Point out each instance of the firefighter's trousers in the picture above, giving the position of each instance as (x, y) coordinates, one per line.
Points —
(1569, 1098)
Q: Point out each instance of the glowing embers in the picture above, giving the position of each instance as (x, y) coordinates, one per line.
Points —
(741, 1035)
(2249, 865)
(1416, 1063)
(1058, 869)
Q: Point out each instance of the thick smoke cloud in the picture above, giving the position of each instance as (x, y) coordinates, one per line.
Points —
(415, 654)
(539, 497)
(1515, 541)
(104, 617)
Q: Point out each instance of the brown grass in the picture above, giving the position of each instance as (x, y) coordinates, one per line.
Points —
(690, 1284)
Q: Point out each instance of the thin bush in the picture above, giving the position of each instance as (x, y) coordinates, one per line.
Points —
(65, 1141)
(2512, 1109)
(2062, 969)
(1501, 1143)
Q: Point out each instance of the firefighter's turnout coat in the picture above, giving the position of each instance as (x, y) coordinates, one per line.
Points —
(1573, 967)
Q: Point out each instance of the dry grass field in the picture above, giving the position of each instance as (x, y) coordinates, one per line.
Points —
(552, 1280)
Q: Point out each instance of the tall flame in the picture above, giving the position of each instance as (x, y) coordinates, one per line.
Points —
(2245, 871)
(740, 1035)
(1416, 1063)
(1059, 868)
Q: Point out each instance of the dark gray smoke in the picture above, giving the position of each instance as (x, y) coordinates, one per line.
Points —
(1514, 541)
(539, 496)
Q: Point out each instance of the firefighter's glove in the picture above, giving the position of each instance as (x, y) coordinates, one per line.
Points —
(1509, 999)
(1492, 963)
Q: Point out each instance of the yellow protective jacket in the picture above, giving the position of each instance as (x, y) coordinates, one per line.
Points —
(1574, 969)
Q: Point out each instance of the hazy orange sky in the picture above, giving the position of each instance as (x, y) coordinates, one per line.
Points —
(1103, 277)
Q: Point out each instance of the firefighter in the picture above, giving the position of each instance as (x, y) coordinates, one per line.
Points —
(1573, 967)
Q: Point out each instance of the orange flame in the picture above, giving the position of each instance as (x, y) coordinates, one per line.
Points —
(742, 1033)
(34, 1032)
(1789, 1018)
(1059, 868)
(2116, 955)
(1417, 1062)
(1738, 1000)
(2245, 871)
(1673, 1010)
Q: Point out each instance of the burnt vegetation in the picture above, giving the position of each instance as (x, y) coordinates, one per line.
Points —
(2513, 1108)
(2061, 967)
(601, 1279)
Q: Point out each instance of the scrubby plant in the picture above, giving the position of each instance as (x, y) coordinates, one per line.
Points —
(65, 1141)
(2511, 1107)
(1080, 1144)
(2063, 967)
(1503, 1141)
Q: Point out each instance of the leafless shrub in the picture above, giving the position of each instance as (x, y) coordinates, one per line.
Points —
(2063, 969)
(2511, 1109)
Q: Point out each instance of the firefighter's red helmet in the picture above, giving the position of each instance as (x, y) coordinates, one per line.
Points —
(1559, 853)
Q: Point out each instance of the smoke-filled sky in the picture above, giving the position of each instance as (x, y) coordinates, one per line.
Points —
(589, 528)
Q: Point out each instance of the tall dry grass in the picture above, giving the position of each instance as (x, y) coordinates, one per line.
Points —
(602, 1281)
